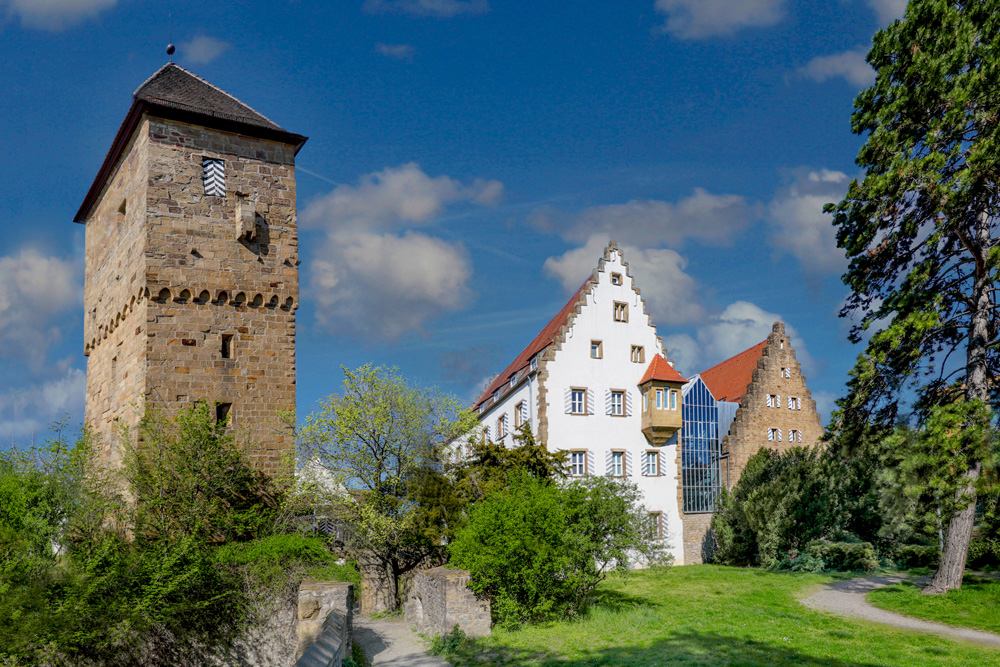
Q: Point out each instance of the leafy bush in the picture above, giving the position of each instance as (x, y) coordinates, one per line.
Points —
(917, 555)
(536, 550)
(785, 501)
(844, 556)
(448, 644)
(983, 552)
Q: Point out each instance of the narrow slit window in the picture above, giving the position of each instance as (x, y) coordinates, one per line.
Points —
(215, 177)
(222, 412)
(227, 346)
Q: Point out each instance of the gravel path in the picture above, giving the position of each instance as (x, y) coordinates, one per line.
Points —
(391, 643)
(847, 598)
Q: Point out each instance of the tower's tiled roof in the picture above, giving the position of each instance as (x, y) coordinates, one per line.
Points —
(540, 342)
(728, 380)
(661, 370)
(176, 94)
(174, 87)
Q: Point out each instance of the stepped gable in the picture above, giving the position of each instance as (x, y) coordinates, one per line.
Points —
(728, 380)
(540, 342)
(176, 94)
(661, 371)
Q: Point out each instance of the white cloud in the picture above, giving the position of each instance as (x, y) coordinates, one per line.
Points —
(684, 351)
(851, 65)
(703, 216)
(671, 295)
(741, 326)
(34, 290)
(799, 225)
(887, 10)
(55, 14)
(24, 412)
(375, 276)
(395, 197)
(436, 8)
(203, 49)
(696, 19)
(380, 286)
(396, 51)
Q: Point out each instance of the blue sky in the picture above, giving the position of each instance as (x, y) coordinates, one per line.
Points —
(468, 161)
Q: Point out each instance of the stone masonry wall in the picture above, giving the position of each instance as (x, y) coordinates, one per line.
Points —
(697, 541)
(440, 599)
(195, 276)
(749, 431)
(324, 622)
(115, 301)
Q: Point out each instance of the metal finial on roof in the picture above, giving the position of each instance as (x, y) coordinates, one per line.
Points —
(170, 51)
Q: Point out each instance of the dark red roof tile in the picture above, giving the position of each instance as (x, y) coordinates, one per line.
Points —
(728, 379)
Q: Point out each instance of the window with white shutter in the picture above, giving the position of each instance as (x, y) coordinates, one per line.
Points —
(214, 173)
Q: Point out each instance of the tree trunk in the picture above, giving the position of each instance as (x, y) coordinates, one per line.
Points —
(956, 543)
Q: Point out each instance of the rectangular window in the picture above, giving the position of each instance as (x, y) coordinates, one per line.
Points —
(618, 403)
(651, 464)
(214, 172)
(596, 349)
(501, 427)
(786, 373)
(621, 311)
(656, 525)
(227, 346)
(794, 435)
(673, 399)
(496, 395)
(659, 399)
(577, 463)
(513, 380)
(617, 464)
(519, 415)
(616, 279)
(771, 400)
(645, 401)
(771, 434)
(486, 433)
(638, 355)
(794, 403)
(534, 363)
(222, 412)
(578, 402)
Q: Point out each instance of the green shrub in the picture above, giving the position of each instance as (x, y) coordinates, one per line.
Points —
(448, 644)
(844, 556)
(536, 549)
(984, 551)
(916, 555)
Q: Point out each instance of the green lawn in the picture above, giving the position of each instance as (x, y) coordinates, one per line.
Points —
(975, 605)
(713, 616)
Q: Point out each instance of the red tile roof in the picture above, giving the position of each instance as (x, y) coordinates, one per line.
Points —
(728, 380)
(541, 341)
(662, 371)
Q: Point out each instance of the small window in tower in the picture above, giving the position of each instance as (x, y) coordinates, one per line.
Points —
(114, 369)
(596, 349)
(616, 279)
(227, 346)
(638, 354)
(786, 373)
(222, 412)
(215, 177)
(621, 311)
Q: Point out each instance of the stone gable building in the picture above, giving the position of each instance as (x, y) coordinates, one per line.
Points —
(191, 281)
(595, 383)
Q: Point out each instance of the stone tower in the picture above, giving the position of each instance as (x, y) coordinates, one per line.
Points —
(192, 265)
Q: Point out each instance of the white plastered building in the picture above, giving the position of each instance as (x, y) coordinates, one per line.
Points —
(594, 383)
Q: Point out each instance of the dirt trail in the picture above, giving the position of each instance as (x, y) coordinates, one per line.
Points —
(391, 643)
(847, 598)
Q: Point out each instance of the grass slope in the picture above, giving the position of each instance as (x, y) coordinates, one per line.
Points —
(975, 605)
(713, 616)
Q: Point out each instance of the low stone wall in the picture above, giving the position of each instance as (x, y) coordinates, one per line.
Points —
(440, 599)
(324, 629)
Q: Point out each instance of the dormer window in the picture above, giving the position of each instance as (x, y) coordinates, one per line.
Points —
(513, 380)
(496, 395)
(534, 363)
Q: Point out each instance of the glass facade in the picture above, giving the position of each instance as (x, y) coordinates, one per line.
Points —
(700, 470)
